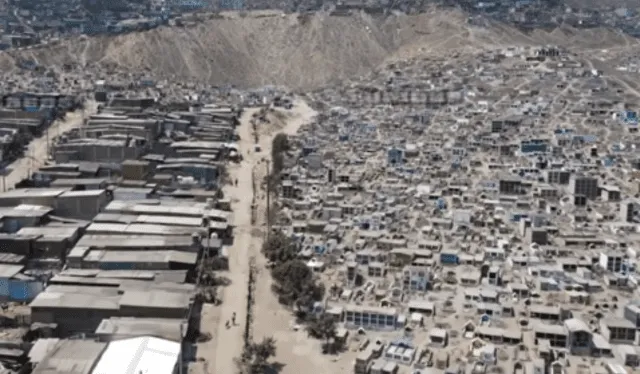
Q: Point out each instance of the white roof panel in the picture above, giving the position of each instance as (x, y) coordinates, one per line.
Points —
(139, 355)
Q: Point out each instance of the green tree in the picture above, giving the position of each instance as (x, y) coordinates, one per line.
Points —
(296, 285)
(255, 356)
(277, 161)
(279, 145)
(322, 327)
(279, 248)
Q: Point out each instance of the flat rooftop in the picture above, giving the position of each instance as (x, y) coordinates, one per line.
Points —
(72, 300)
(134, 241)
(111, 298)
(166, 328)
(141, 256)
(70, 357)
(19, 193)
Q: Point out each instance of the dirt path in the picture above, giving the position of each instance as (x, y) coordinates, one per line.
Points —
(36, 155)
(295, 350)
(227, 343)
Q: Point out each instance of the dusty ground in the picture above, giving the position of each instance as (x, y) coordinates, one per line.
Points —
(295, 350)
(226, 345)
(300, 52)
(298, 353)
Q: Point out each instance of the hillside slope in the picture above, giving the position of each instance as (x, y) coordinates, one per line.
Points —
(300, 52)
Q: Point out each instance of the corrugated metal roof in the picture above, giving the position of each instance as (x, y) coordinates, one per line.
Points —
(139, 355)
(71, 357)
(75, 300)
(31, 192)
(8, 271)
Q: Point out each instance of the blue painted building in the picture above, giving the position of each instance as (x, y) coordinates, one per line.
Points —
(584, 139)
(147, 83)
(608, 162)
(516, 217)
(534, 146)
(395, 156)
(369, 317)
(416, 278)
(449, 258)
(562, 131)
(18, 287)
(307, 150)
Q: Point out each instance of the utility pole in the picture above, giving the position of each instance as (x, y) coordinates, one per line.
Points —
(181, 360)
(30, 163)
(268, 200)
(47, 135)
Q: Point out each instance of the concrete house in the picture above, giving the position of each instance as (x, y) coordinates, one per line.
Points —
(81, 204)
(618, 330)
(579, 336)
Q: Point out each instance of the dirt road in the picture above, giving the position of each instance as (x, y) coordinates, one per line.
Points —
(228, 341)
(295, 351)
(36, 155)
(226, 344)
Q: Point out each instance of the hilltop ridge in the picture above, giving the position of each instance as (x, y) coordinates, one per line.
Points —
(297, 51)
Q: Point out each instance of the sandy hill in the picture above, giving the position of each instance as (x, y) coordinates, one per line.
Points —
(297, 51)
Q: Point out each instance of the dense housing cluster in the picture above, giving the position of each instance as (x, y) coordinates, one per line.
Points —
(473, 212)
(489, 229)
(114, 240)
(28, 23)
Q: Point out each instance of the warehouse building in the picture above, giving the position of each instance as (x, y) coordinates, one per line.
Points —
(168, 208)
(139, 229)
(81, 204)
(139, 242)
(51, 241)
(81, 309)
(131, 260)
(31, 196)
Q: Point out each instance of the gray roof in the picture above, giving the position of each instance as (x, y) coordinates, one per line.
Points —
(32, 192)
(134, 241)
(9, 271)
(70, 182)
(51, 298)
(140, 229)
(60, 232)
(156, 299)
(120, 327)
(141, 256)
(41, 349)
(71, 357)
